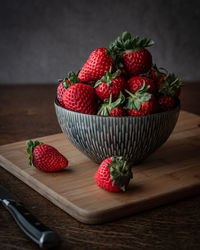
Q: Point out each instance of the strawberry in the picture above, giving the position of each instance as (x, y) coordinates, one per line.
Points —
(169, 85)
(118, 111)
(60, 91)
(166, 102)
(109, 108)
(141, 103)
(156, 73)
(45, 157)
(135, 82)
(97, 64)
(113, 174)
(135, 58)
(80, 98)
(110, 84)
(123, 72)
(71, 79)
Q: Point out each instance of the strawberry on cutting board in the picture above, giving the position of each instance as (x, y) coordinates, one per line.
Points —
(113, 174)
(135, 57)
(110, 108)
(141, 102)
(45, 157)
(71, 79)
(96, 66)
(110, 83)
(80, 98)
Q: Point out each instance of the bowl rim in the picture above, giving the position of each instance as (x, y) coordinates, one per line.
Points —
(176, 108)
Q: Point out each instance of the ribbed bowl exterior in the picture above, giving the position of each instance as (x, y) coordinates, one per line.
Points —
(99, 137)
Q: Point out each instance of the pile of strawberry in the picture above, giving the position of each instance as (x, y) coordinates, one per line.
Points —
(120, 81)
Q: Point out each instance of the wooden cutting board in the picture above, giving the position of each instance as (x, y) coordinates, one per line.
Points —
(171, 173)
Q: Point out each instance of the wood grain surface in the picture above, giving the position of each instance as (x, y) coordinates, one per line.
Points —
(171, 173)
(27, 112)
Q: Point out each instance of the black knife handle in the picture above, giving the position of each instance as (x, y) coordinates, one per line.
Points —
(37, 231)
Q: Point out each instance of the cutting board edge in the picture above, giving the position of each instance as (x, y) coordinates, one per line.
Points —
(73, 211)
(100, 217)
(109, 215)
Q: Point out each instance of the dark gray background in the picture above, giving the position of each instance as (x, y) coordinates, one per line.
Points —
(42, 40)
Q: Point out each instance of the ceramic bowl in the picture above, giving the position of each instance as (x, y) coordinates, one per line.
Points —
(134, 137)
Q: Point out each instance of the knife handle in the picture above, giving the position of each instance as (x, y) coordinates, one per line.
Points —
(37, 231)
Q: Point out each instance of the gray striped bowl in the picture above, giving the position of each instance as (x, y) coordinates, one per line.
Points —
(100, 137)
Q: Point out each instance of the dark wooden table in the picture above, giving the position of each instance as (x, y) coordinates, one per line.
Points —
(27, 111)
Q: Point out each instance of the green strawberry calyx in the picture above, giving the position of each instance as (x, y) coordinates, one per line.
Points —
(30, 147)
(108, 105)
(126, 44)
(108, 77)
(72, 78)
(120, 172)
(135, 100)
(169, 85)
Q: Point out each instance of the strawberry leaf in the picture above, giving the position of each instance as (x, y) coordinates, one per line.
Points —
(137, 104)
(71, 79)
(169, 85)
(120, 172)
(108, 77)
(145, 97)
(128, 44)
(130, 104)
(108, 105)
(30, 148)
(126, 36)
(115, 182)
(135, 100)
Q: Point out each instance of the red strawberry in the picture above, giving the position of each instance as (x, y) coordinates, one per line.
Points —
(135, 82)
(168, 90)
(110, 84)
(169, 85)
(109, 108)
(136, 59)
(80, 98)
(119, 111)
(45, 157)
(155, 73)
(64, 84)
(137, 62)
(113, 174)
(60, 91)
(166, 102)
(141, 103)
(97, 64)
